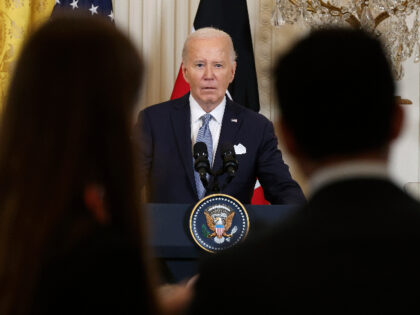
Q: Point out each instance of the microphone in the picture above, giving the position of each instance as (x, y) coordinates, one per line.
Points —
(230, 163)
(201, 157)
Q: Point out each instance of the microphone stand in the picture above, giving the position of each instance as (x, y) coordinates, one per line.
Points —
(204, 182)
(215, 188)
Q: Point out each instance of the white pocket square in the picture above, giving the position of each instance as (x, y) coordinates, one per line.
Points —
(239, 148)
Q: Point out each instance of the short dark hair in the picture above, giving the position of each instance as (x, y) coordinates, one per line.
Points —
(336, 93)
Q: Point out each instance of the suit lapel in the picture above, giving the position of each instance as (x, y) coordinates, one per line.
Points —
(180, 117)
(230, 125)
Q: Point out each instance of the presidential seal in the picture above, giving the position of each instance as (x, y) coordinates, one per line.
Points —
(218, 222)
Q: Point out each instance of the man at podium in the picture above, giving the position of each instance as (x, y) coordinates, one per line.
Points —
(169, 130)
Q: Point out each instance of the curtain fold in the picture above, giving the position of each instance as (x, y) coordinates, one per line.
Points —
(18, 18)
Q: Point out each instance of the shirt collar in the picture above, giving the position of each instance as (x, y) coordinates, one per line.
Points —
(197, 111)
(346, 170)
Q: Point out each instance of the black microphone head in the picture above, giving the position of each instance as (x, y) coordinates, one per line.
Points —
(201, 164)
(230, 163)
(227, 149)
(200, 149)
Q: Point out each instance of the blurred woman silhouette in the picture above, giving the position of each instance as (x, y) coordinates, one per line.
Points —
(71, 224)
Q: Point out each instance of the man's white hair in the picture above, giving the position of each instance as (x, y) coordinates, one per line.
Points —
(208, 32)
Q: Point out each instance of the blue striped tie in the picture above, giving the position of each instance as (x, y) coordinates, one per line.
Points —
(204, 135)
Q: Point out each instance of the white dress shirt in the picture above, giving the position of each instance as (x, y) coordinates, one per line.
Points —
(215, 123)
(347, 170)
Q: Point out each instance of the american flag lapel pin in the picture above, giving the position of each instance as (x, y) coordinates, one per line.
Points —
(235, 120)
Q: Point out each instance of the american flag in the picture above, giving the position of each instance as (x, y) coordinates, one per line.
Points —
(101, 7)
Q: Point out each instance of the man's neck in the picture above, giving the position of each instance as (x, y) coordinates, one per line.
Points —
(310, 166)
(208, 107)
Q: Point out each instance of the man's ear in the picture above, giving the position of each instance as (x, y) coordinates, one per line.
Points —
(397, 122)
(287, 138)
(184, 72)
(93, 196)
(233, 71)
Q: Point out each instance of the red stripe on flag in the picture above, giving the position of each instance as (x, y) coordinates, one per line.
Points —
(181, 86)
(258, 197)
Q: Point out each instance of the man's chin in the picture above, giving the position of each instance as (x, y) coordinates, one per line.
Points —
(210, 101)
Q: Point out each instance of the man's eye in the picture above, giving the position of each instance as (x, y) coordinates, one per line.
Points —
(199, 65)
(218, 65)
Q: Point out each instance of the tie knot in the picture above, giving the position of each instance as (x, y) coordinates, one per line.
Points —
(206, 119)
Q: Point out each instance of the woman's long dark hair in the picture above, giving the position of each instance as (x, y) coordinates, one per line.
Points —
(66, 124)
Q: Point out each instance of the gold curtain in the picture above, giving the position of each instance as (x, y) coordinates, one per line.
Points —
(18, 18)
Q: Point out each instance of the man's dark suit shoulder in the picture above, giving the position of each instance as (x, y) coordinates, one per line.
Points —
(258, 119)
(163, 108)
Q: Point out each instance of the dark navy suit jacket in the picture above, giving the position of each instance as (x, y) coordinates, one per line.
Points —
(167, 159)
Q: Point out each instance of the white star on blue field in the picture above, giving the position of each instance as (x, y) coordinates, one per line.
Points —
(101, 7)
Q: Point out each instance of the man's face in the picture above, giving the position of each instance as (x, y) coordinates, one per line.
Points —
(208, 69)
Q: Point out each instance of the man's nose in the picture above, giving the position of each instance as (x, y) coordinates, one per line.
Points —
(208, 73)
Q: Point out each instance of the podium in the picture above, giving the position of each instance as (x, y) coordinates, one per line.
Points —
(173, 245)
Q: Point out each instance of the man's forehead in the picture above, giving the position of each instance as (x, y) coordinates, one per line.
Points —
(217, 42)
(201, 49)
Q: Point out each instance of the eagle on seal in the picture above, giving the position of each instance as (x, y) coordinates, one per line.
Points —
(219, 225)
